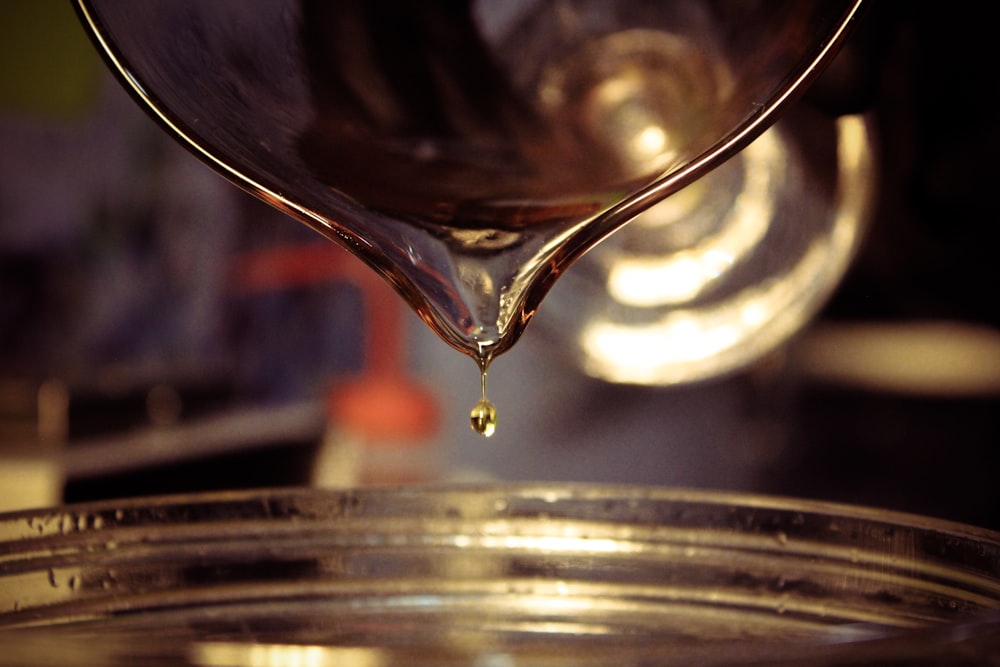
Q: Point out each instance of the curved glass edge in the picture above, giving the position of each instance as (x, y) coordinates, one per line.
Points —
(570, 531)
(471, 500)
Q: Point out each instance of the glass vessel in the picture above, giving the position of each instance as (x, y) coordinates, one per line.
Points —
(468, 151)
(724, 272)
(493, 575)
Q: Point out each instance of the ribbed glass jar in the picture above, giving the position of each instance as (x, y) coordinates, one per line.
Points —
(493, 576)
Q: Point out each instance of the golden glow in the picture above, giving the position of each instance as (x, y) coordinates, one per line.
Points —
(38, 588)
(651, 141)
(554, 543)
(640, 354)
(647, 282)
(686, 343)
(483, 418)
(621, 108)
(672, 278)
(678, 339)
(29, 480)
(236, 654)
(916, 358)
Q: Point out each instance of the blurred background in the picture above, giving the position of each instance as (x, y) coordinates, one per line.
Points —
(161, 331)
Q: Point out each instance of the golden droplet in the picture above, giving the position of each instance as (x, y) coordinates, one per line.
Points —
(483, 418)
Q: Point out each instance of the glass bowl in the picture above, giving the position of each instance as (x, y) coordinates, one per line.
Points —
(493, 576)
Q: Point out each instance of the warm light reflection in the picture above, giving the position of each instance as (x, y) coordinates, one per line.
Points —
(651, 141)
(685, 343)
(621, 110)
(624, 353)
(648, 280)
(238, 654)
(552, 543)
(914, 358)
(685, 340)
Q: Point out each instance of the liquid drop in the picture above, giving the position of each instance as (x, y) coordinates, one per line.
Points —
(483, 417)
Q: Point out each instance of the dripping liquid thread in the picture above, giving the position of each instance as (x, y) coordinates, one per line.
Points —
(483, 417)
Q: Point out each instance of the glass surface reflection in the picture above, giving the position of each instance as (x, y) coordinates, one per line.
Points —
(552, 575)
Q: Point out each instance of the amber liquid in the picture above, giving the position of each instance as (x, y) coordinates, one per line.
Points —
(483, 416)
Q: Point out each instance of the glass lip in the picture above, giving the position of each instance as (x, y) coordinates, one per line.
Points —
(258, 504)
